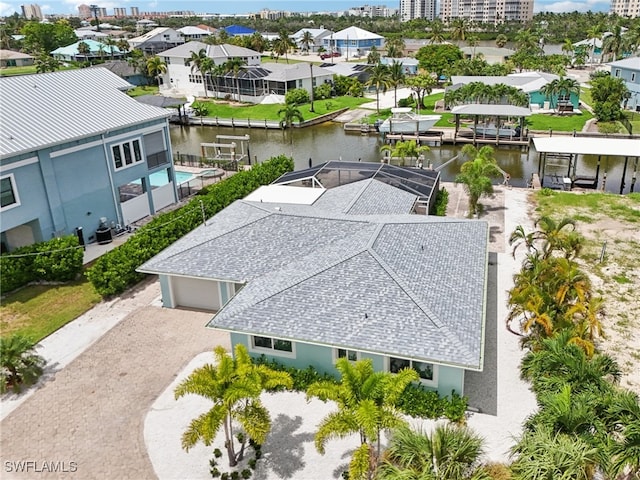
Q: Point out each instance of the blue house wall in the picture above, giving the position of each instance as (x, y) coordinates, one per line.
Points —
(73, 185)
(631, 79)
(322, 359)
(538, 98)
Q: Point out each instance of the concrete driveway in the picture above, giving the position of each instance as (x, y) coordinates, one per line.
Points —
(92, 411)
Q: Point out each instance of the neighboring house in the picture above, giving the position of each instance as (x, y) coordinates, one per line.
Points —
(348, 69)
(194, 33)
(97, 50)
(238, 30)
(145, 24)
(75, 151)
(318, 35)
(157, 40)
(491, 55)
(10, 58)
(530, 83)
(181, 79)
(353, 42)
(339, 272)
(124, 70)
(629, 70)
(256, 83)
(90, 34)
(409, 65)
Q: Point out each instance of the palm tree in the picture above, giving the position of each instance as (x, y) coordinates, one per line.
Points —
(396, 78)
(235, 65)
(501, 40)
(84, 49)
(459, 29)
(613, 45)
(282, 44)
(306, 40)
(379, 78)
(567, 47)
(594, 33)
(288, 113)
(19, 365)
(437, 32)
(234, 386)
(155, 67)
(45, 63)
(395, 47)
(201, 110)
(200, 62)
(373, 57)
(623, 421)
(123, 45)
(112, 44)
(449, 453)
(366, 403)
(475, 175)
(405, 149)
(257, 42)
(551, 236)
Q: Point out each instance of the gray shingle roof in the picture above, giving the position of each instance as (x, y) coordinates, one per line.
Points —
(53, 108)
(313, 275)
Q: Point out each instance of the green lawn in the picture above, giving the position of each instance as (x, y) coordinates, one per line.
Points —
(10, 71)
(39, 310)
(270, 112)
(557, 122)
(590, 205)
(145, 90)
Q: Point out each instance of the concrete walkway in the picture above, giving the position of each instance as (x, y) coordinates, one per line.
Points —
(92, 411)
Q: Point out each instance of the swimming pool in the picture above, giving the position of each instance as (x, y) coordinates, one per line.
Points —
(159, 179)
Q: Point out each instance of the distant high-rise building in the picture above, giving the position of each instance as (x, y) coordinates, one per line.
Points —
(119, 12)
(412, 9)
(135, 12)
(626, 8)
(372, 11)
(487, 11)
(84, 11)
(102, 12)
(31, 11)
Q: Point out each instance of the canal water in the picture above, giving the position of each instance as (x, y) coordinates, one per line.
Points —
(329, 141)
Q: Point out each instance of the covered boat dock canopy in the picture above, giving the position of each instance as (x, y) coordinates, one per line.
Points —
(571, 147)
(478, 110)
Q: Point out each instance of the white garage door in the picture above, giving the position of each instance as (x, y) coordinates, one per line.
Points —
(195, 293)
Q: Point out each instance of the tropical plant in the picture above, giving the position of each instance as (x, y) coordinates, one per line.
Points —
(282, 44)
(19, 365)
(421, 85)
(405, 149)
(449, 453)
(475, 175)
(436, 31)
(613, 45)
(367, 405)
(551, 236)
(203, 64)
(155, 67)
(380, 79)
(288, 113)
(543, 454)
(84, 49)
(234, 385)
(306, 40)
(396, 78)
(395, 47)
(200, 110)
(560, 87)
(501, 40)
(235, 66)
(44, 63)
(459, 29)
(373, 57)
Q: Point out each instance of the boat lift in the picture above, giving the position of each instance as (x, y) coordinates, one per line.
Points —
(235, 151)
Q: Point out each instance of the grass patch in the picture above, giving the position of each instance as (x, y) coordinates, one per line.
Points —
(559, 123)
(620, 207)
(634, 119)
(36, 311)
(270, 112)
(622, 279)
(30, 70)
(143, 90)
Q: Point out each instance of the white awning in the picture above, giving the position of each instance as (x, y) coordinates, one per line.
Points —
(285, 194)
(622, 147)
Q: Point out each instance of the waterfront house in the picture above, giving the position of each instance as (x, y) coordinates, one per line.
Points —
(318, 35)
(157, 40)
(317, 274)
(628, 70)
(10, 58)
(194, 33)
(77, 152)
(96, 51)
(124, 70)
(353, 42)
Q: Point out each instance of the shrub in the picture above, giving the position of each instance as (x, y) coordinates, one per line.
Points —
(297, 96)
(246, 473)
(322, 91)
(56, 260)
(217, 453)
(442, 200)
(235, 475)
(214, 472)
(406, 102)
(19, 365)
(115, 271)
(252, 463)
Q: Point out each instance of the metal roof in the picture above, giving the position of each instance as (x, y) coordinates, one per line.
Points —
(48, 109)
(355, 33)
(404, 285)
(623, 147)
(491, 109)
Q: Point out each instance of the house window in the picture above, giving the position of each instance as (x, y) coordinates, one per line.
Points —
(350, 355)
(427, 371)
(8, 192)
(195, 78)
(274, 346)
(617, 74)
(633, 76)
(126, 154)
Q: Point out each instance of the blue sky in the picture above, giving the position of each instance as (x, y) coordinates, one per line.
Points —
(248, 6)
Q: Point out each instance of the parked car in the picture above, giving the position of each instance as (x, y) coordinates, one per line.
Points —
(324, 56)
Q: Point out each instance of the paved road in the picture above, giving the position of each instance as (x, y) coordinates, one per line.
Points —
(92, 411)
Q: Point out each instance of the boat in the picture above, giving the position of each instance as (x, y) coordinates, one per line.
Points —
(403, 120)
(491, 130)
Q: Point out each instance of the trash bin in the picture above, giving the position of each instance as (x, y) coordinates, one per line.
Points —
(80, 237)
(103, 235)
